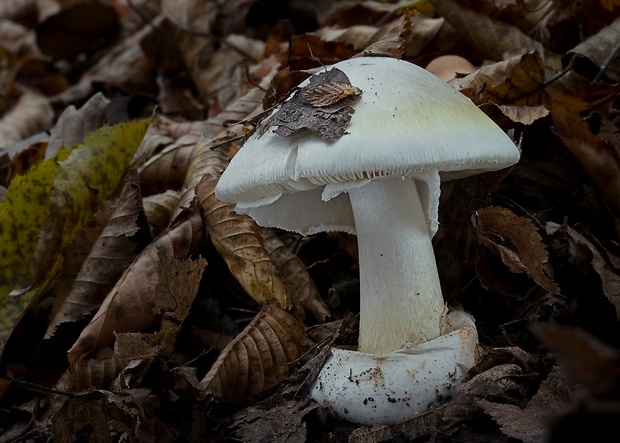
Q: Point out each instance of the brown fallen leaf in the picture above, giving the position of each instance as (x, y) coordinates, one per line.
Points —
(517, 81)
(129, 306)
(125, 234)
(166, 169)
(204, 160)
(261, 356)
(237, 238)
(593, 364)
(296, 274)
(518, 242)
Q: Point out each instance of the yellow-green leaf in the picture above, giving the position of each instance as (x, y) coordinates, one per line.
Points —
(44, 209)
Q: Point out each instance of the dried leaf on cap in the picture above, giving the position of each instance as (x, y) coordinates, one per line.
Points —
(323, 107)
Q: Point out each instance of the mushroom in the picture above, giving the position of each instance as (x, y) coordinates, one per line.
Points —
(446, 67)
(380, 181)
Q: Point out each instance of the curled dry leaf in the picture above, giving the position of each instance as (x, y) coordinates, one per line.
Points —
(295, 273)
(517, 81)
(602, 50)
(166, 169)
(261, 356)
(125, 234)
(158, 209)
(238, 240)
(129, 306)
(518, 242)
(23, 160)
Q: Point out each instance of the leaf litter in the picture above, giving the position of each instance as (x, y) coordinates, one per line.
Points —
(236, 320)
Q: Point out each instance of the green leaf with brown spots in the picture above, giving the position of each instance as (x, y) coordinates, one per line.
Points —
(44, 209)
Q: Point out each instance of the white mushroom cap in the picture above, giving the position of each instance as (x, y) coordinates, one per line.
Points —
(407, 122)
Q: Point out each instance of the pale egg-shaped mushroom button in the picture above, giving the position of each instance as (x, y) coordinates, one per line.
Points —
(447, 67)
(380, 181)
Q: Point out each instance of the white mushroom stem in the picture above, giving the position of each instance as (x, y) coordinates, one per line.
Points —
(400, 294)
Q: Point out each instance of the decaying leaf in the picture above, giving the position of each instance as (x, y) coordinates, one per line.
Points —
(518, 242)
(23, 160)
(130, 305)
(166, 170)
(262, 355)
(294, 271)
(238, 239)
(323, 106)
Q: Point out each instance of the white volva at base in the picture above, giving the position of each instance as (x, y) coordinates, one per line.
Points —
(369, 389)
